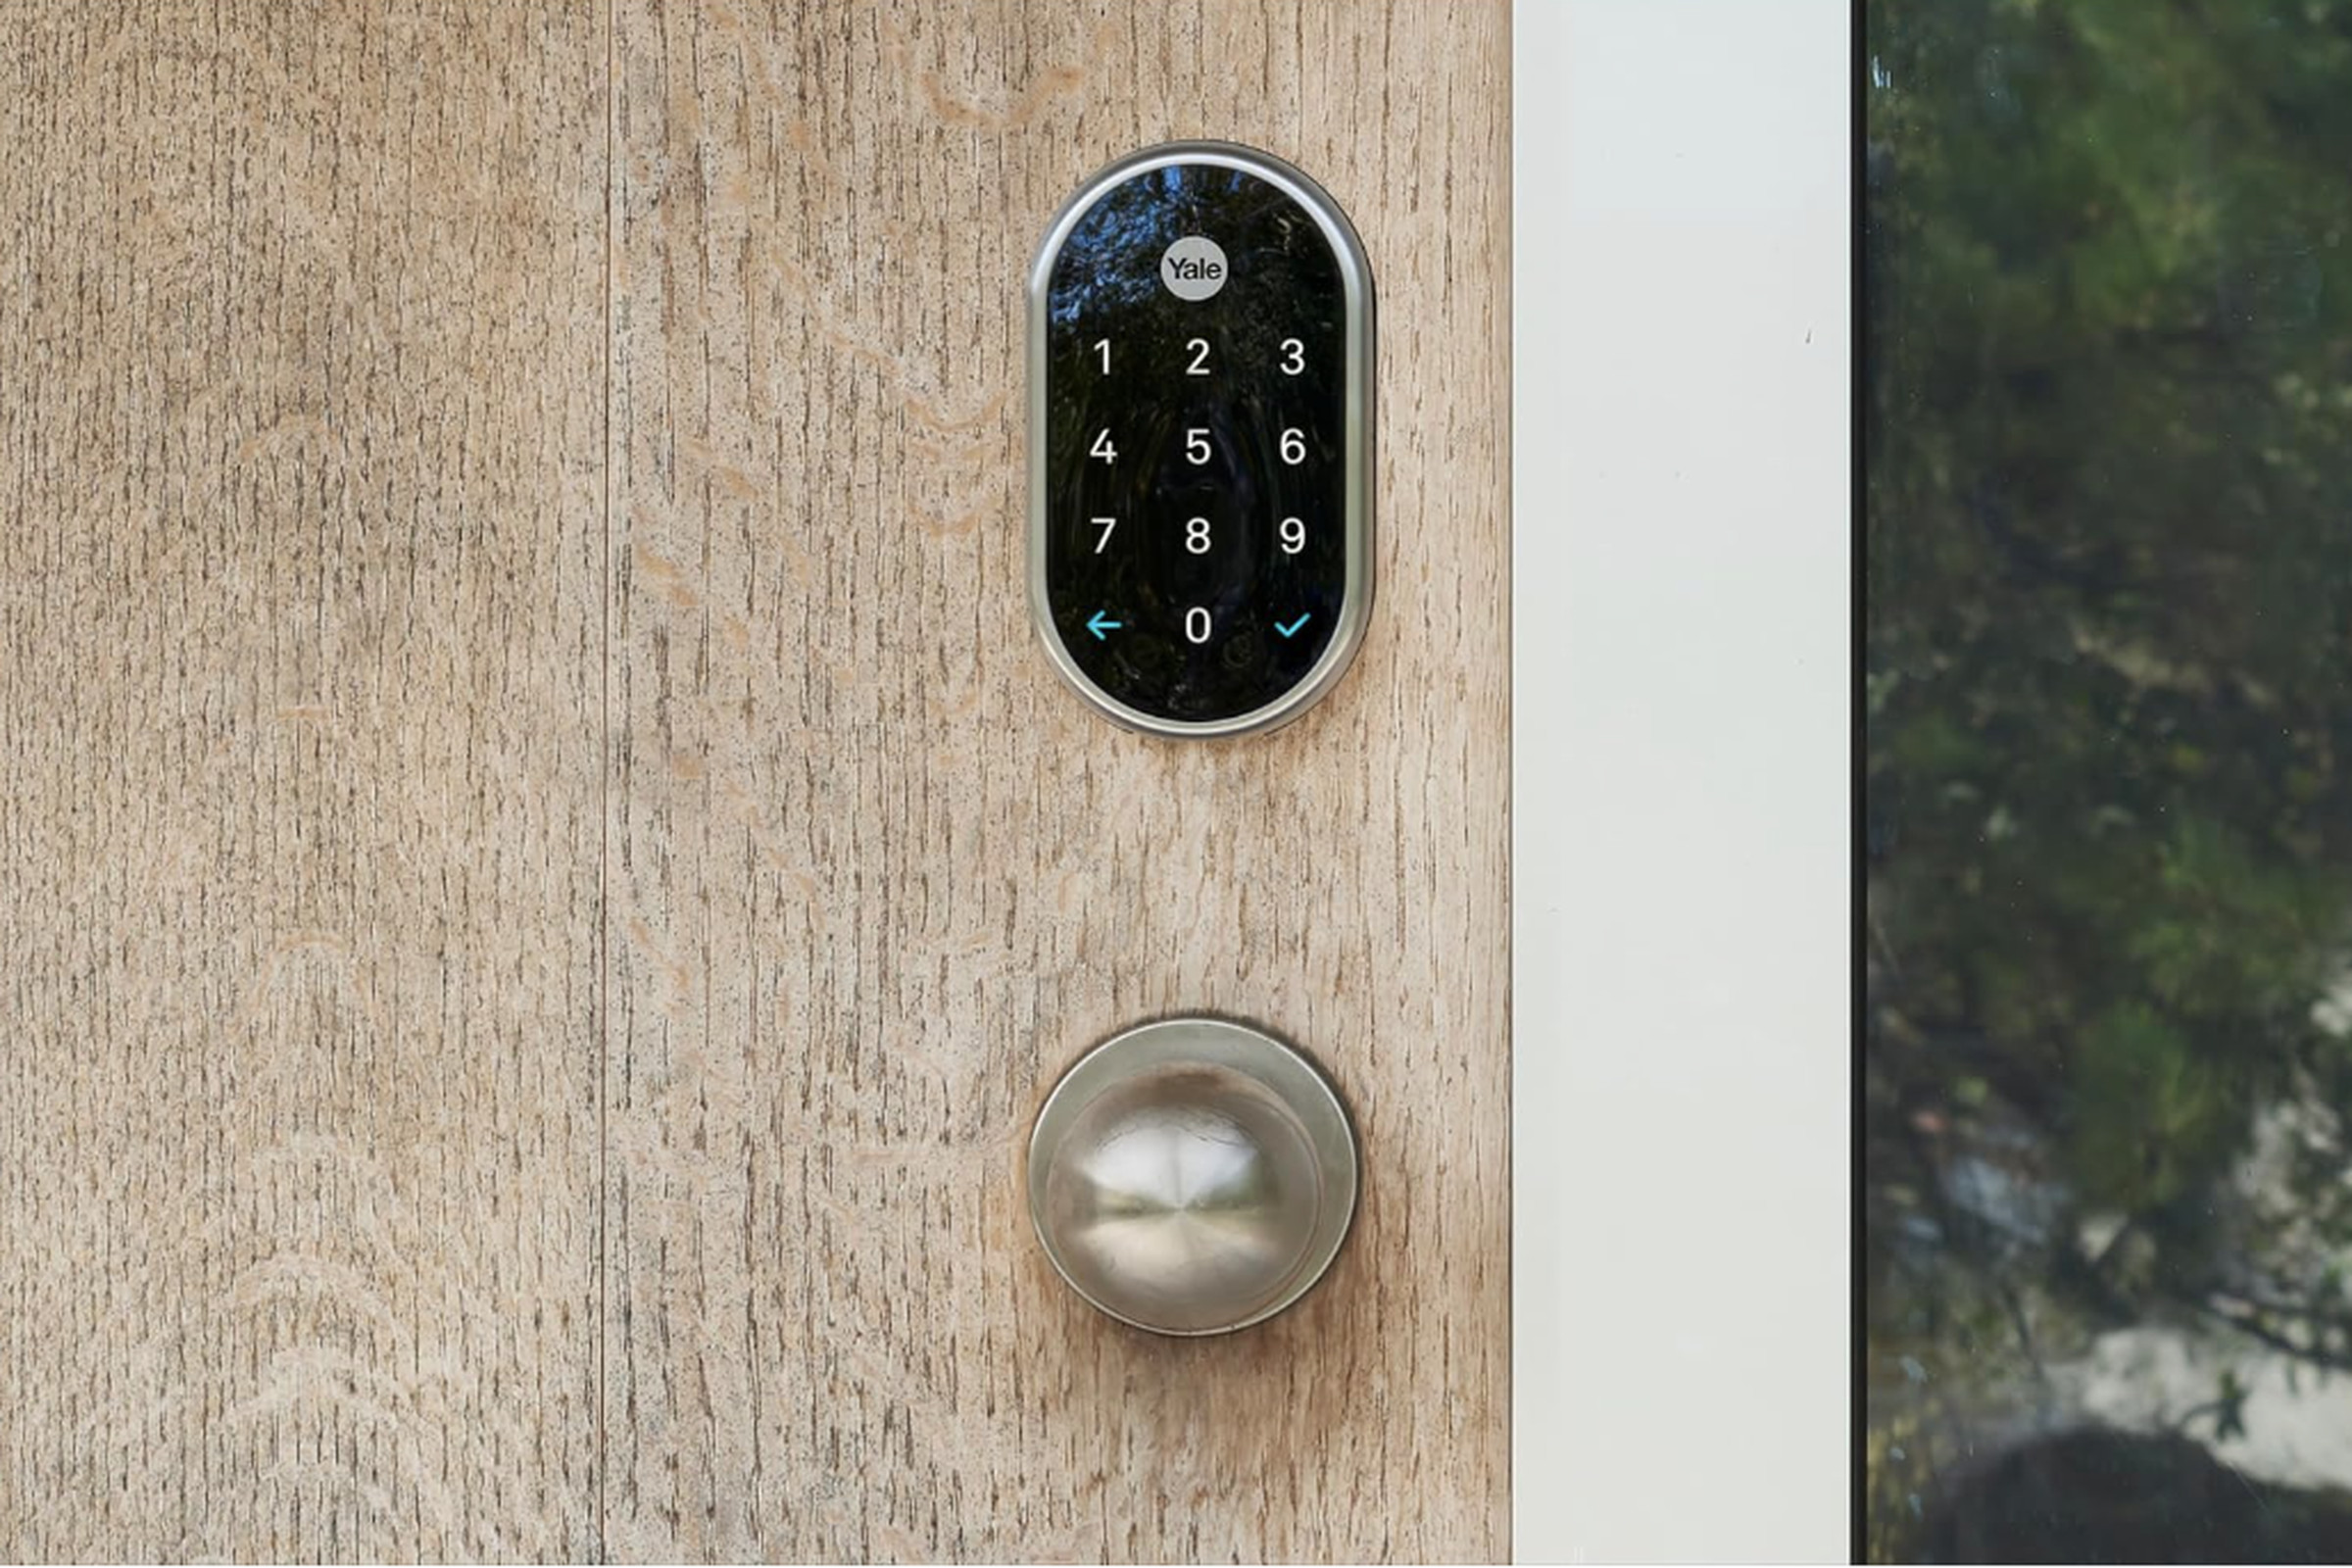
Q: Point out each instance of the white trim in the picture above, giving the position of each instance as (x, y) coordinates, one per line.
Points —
(1680, 742)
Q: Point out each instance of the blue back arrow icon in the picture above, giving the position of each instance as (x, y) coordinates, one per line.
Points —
(1102, 623)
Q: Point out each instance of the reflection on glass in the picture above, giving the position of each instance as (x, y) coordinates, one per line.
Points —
(2108, 1058)
(1196, 449)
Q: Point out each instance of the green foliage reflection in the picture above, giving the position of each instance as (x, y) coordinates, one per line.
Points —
(2109, 694)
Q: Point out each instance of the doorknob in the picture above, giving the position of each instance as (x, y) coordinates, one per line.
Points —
(1192, 1176)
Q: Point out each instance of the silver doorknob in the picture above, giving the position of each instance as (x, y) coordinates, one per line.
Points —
(1192, 1176)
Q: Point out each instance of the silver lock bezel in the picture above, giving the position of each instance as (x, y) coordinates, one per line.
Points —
(1357, 428)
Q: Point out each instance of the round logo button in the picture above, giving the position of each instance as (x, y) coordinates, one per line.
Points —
(1194, 268)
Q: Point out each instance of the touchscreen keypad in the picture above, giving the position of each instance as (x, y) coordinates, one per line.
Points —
(1199, 443)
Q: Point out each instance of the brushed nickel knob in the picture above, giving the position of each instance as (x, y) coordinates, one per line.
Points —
(1192, 1176)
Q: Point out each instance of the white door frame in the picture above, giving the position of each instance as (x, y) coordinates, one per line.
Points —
(1680, 636)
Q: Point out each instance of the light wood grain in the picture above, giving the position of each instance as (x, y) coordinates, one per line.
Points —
(875, 878)
(301, 668)
(542, 871)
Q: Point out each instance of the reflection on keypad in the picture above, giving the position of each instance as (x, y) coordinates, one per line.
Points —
(1197, 442)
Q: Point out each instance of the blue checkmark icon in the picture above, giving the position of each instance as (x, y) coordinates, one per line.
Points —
(1291, 630)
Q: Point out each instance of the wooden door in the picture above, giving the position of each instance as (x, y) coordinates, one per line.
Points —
(543, 873)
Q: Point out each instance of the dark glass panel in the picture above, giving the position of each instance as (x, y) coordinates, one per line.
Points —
(2108, 1048)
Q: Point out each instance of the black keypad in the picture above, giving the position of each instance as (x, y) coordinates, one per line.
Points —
(1196, 449)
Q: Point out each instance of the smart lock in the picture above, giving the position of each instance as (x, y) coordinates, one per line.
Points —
(1201, 431)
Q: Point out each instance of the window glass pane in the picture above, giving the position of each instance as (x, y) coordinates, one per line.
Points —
(2108, 1055)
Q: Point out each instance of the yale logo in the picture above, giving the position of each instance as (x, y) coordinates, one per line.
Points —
(1194, 268)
